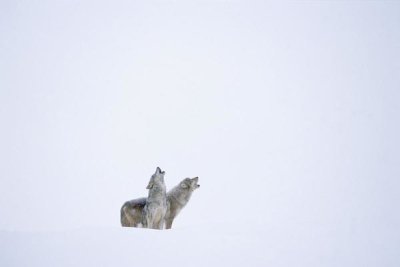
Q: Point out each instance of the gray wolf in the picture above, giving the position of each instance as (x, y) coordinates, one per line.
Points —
(156, 204)
(177, 198)
(150, 212)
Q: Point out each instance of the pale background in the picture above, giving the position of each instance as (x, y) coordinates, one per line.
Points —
(288, 112)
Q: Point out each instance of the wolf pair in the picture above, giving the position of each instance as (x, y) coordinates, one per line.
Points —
(159, 208)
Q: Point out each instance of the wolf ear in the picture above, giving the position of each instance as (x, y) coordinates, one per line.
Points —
(150, 185)
(183, 185)
(158, 170)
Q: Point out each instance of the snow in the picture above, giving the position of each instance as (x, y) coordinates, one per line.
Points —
(199, 245)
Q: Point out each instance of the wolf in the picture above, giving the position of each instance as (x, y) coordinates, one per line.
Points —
(177, 198)
(150, 212)
(156, 203)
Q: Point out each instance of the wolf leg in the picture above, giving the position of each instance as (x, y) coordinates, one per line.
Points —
(149, 221)
(125, 218)
(168, 223)
(161, 224)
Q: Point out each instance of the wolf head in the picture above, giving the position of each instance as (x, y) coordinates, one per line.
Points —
(190, 183)
(156, 178)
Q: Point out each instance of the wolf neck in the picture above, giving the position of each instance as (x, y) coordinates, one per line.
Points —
(179, 195)
(157, 192)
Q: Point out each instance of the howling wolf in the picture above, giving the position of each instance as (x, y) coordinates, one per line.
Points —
(132, 212)
(152, 210)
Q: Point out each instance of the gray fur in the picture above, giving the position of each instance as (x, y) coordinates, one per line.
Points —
(156, 204)
(150, 212)
(132, 212)
(178, 197)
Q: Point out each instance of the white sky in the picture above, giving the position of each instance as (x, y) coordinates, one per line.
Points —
(288, 112)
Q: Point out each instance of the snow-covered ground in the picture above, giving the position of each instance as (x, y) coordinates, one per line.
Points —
(227, 244)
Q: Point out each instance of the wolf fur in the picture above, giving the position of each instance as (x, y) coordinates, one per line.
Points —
(150, 212)
(132, 212)
(156, 204)
(178, 197)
